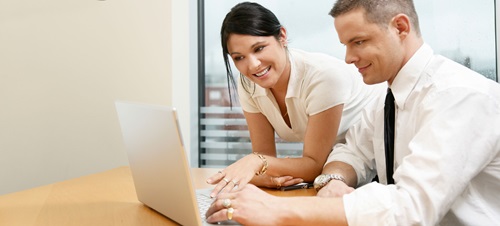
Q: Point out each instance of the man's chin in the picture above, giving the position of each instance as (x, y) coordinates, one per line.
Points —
(369, 81)
(372, 79)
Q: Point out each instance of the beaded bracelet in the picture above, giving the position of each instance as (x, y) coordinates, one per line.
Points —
(264, 164)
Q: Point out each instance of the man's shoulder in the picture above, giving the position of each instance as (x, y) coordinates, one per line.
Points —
(447, 74)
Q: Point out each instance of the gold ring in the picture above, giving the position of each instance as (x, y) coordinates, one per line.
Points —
(230, 212)
(226, 180)
(226, 203)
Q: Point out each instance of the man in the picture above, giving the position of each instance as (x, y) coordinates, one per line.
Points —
(445, 146)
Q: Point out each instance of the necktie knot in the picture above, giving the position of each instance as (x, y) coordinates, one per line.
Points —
(389, 97)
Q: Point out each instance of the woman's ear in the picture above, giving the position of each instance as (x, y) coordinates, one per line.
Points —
(283, 37)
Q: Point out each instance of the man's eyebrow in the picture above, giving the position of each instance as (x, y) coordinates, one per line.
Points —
(354, 38)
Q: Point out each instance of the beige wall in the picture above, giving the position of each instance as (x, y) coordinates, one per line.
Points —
(62, 65)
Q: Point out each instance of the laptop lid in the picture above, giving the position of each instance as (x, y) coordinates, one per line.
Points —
(158, 161)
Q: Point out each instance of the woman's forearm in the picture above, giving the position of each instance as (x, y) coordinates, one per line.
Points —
(303, 167)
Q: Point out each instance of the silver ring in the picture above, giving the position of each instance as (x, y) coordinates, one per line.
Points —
(226, 180)
(226, 203)
(235, 182)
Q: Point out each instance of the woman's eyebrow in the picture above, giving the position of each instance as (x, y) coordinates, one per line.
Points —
(251, 47)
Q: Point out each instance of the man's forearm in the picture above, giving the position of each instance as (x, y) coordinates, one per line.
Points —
(312, 211)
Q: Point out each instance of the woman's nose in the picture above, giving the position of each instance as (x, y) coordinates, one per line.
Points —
(254, 62)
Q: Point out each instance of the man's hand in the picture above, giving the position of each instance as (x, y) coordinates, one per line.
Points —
(335, 188)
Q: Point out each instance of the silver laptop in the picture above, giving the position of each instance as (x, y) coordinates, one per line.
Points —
(158, 162)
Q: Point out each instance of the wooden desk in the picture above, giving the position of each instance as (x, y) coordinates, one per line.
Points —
(106, 198)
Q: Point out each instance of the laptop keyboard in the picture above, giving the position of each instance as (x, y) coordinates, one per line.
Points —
(204, 202)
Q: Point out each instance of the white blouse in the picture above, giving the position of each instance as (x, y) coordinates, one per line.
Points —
(317, 82)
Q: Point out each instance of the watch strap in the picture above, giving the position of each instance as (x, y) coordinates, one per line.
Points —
(331, 177)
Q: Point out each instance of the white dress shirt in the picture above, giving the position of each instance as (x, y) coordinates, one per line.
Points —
(447, 145)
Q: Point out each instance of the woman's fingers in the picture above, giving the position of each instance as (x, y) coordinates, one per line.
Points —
(237, 174)
(229, 183)
(292, 182)
(220, 186)
(277, 182)
(216, 177)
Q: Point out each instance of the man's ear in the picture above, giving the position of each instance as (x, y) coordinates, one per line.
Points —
(402, 24)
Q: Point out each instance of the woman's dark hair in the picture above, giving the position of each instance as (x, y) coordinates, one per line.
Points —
(246, 18)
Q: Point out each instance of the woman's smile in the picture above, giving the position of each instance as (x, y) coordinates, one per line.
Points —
(262, 73)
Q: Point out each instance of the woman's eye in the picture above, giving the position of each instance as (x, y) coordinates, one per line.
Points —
(238, 58)
(260, 48)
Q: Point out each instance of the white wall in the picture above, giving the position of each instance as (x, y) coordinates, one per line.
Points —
(62, 65)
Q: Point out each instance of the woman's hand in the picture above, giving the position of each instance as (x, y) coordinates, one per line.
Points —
(237, 174)
(275, 182)
(243, 171)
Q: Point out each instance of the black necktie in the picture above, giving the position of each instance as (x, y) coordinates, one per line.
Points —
(389, 116)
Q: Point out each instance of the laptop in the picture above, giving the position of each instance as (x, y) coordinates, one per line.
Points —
(158, 163)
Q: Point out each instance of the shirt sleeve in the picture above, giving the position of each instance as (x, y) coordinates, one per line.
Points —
(455, 139)
(358, 150)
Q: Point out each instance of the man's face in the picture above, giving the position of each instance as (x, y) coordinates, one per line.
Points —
(376, 51)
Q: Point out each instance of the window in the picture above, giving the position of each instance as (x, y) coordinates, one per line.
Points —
(460, 30)
(463, 31)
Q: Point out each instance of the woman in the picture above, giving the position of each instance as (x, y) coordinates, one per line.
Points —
(303, 97)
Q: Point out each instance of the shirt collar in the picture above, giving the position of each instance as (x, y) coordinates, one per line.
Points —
(296, 75)
(408, 76)
(259, 91)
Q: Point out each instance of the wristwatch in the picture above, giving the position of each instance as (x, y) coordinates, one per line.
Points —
(323, 179)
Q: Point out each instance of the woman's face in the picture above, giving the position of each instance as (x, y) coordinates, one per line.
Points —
(262, 59)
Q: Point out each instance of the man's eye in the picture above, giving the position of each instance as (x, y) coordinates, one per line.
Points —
(359, 42)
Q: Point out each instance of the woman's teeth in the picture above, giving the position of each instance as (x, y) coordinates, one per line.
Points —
(262, 72)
